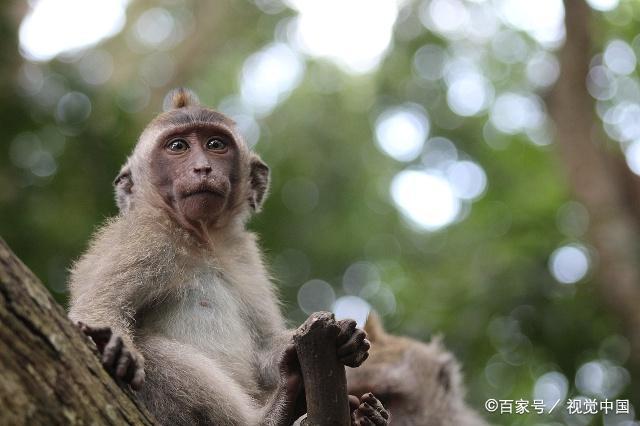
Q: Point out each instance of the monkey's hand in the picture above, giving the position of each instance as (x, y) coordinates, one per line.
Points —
(124, 363)
(367, 411)
(352, 343)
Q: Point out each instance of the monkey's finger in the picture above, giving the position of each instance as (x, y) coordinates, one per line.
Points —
(374, 402)
(131, 370)
(354, 403)
(100, 335)
(371, 414)
(363, 421)
(355, 359)
(112, 351)
(357, 342)
(138, 379)
(347, 328)
(124, 360)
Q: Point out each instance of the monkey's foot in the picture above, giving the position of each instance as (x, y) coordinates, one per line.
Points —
(353, 346)
(367, 411)
(121, 361)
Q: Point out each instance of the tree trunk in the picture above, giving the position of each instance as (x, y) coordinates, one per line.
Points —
(591, 169)
(49, 372)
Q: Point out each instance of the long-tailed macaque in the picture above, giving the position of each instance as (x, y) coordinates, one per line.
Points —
(419, 383)
(174, 292)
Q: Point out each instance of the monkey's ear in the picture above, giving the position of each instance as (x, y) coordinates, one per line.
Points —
(123, 185)
(179, 98)
(374, 328)
(259, 182)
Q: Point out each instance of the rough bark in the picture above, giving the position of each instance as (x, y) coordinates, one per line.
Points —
(49, 372)
(592, 174)
(324, 376)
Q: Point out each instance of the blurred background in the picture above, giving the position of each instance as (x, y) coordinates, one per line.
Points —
(464, 167)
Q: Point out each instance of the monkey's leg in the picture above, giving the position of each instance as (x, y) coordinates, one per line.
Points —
(185, 387)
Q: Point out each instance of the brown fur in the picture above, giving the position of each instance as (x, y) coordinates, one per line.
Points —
(420, 383)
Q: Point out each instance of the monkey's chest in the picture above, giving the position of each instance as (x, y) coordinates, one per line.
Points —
(208, 315)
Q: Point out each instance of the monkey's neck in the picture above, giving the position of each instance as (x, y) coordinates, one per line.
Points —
(200, 235)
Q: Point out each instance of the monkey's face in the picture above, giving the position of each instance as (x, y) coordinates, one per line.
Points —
(195, 171)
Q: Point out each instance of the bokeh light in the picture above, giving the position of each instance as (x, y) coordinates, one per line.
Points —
(551, 387)
(425, 199)
(357, 45)
(401, 131)
(543, 19)
(316, 295)
(603, 5)
(569, 264)
(268, 77)
(632, 155)
(619, 57)
(352, 307)
(467, 179)
(601, 379)
(56, 26)
(514, 112)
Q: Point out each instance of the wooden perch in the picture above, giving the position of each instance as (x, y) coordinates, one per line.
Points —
(324, 377)
(49, 372)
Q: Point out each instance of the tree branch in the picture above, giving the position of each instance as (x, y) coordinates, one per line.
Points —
(49, 371)
(324, 376)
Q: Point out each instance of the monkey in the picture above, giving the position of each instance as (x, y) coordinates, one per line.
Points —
(419, 383)
(174, 292)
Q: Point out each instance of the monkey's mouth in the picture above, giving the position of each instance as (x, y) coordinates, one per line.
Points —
(205, 190)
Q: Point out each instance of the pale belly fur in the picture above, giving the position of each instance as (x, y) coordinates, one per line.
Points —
(205, 316)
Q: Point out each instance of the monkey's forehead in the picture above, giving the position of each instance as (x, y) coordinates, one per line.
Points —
(192, 116)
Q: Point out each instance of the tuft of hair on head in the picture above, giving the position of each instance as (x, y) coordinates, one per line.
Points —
(180, 98)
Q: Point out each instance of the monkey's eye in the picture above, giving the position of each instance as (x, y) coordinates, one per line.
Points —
(177, 145)
(216, 144)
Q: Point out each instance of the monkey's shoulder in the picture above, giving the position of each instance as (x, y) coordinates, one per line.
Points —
(123, 245)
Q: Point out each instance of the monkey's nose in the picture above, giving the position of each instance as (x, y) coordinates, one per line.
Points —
(202, 170)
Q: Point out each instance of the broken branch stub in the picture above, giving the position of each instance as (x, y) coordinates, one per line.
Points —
(324, 376)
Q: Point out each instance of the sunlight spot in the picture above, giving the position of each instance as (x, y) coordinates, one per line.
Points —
(429, 62)
(56, 26)
(551, 387)
(601, 83)
(401, 131)
(154, 27)
(542, 19)
(316, 295)
(512, 112)
(603, 5)
(426, 200)
(569, 264)
(355, 38)
(543, 69)
(468, 93)
(269, 76)
(352, 307)
(467, 179)
(602, 379)
(632, 155)
(619, 57)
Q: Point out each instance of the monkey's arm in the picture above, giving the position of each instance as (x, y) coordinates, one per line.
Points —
(109, 287)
